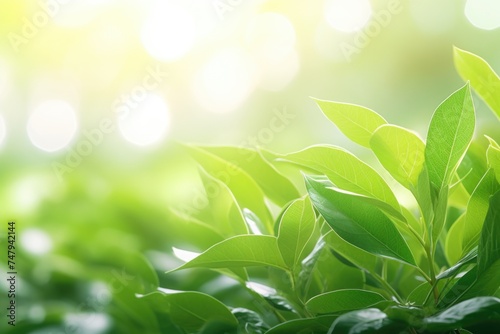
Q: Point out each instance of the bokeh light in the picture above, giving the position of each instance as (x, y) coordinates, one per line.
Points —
(484, 14)
(169, 32)
(35, 241)
(147, 123)
(52, 125)
(348, 15)
(225, 81)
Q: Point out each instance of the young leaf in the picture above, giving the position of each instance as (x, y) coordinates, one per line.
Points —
(358, 222)
(277, 187)
(191, 310)
(297, 228)
(346, 171)
(225, 210)
(356, 122)
(244, 188)
(240, 251)
(401, 152)
(482, 77)
(489, 244)
(343, 300)
(477, 208)
(449, 136)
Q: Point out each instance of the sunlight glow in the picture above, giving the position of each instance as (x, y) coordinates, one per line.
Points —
(3, 131)
(52, 125)
(226, 81)
(184, 255)
(483, 14)
(35, 241)
(146, 124)
(348, 15)
(271, 39)
(169, 32)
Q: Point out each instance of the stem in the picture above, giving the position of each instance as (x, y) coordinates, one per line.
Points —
(388, 287)
(433, 281)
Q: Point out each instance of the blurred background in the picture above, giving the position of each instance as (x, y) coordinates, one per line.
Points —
(96, 95)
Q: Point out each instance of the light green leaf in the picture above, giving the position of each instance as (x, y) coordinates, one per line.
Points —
(473, 166)
(356, 122)
(346, 171)
(449, 136)
(246, 191)
(477, 208)
(190, 310)
(481, 76)
(276, 186)
(489, 244)
(401, 152)
(343, 300)
(493, 156)
(297, 232)
(226, 212)
(240, 251)
(358, 222)
(355, 255)
(453, 242)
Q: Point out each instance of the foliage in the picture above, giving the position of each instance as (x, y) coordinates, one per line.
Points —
(428, 267)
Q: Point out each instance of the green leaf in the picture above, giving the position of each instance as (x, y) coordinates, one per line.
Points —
(493, 156)
(317, 325)
(449, 136)
(401, 152)
(467, 313)
(477, 208)
(453, 242)
(355, 255)
(225, 210)
(297, 232)
(489, 244)
(250, 321)
(366, 321)
(343, 300)
(481, 76)
(473, 166)
(276, 186)
(246, 191)
(190, 310)
(240, 251)
(358, 222)
(356, 122)
(452, 271)
(347, 172)
(271, 296)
